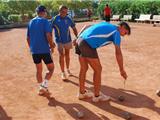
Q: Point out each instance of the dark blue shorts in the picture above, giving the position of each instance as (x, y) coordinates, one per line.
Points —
(47, 58)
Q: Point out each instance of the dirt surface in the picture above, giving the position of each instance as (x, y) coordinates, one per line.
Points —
(18, 86)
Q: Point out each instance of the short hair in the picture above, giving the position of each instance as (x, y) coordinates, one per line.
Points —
(41, 8)
(126, 26)
(62, 7)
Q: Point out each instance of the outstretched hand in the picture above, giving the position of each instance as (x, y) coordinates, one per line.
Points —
(123, 74)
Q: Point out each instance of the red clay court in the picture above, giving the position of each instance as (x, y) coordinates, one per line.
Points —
(18, 87)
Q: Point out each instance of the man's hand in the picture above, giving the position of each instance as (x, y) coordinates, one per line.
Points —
(52, 47)
(123, 74)
(74, 42)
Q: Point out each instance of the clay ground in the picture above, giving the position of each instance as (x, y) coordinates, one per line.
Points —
(18, 86)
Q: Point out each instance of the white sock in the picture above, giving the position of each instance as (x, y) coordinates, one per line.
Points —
(45, 83)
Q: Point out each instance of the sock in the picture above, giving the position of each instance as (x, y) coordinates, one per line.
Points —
(45, 83)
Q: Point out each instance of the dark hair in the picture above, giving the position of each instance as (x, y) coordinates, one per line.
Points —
(41, 8)
(106, 4)
(62, 7)
(126, 26)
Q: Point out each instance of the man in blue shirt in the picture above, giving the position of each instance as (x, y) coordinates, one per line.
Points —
(91, 38)
(61, 24)
(39, 38)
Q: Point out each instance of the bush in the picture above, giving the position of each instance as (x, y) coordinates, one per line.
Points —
(14, 18)
(134, 8)
(30, 15)
(3, 19)
(2, 22)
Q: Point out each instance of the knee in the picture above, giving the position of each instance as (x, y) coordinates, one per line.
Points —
(51, 69)
(84, 69)
(98, 69)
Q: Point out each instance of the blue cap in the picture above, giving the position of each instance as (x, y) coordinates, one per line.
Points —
(41, 8)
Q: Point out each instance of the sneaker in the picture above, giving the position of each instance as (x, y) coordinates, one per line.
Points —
(43, 91)
(69, 73)
(87, 94)
(63, 76)
(101, 97)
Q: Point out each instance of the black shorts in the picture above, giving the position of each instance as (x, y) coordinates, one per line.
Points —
(37, 58)
(107, 18)
(84, 50)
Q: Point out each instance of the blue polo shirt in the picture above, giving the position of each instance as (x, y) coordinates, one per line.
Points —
(101, 34)
(61, 28)
(37, 29)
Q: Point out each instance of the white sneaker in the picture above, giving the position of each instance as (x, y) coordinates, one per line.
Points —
(101, 97)
(87, 94)
(63, 76)
(69, 73)
(43, 91)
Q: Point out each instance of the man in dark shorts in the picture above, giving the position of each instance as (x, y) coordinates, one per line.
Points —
(89, 40)
(39, 38)
(107, 13)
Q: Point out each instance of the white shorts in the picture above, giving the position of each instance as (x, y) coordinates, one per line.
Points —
(61, 47)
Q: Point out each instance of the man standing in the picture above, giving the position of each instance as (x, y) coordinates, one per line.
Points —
(89, 40)
(39, 38)
(61, 24)
(107, 13)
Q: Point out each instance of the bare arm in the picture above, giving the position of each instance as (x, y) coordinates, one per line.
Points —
(28, 41)
(50, 41)
(76, 34)
(75, 31)
(119, 58)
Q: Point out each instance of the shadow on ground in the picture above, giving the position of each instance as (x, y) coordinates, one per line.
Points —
(3, 114)
(132, 99)
(73, 109)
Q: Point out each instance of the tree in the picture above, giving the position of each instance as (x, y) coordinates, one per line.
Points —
(22, 7)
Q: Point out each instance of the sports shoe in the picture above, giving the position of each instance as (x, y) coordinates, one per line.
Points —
(63, 76)
(43, 91)
(87, 94)
(69, 73)
(101, 97)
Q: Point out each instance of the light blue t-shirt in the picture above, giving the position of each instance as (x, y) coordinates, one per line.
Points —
(37, 29)
(101, 34)
(61, 27)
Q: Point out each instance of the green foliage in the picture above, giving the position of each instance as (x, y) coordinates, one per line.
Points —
(15, 18)
(22, 7)
(3, 20)
(133, 7)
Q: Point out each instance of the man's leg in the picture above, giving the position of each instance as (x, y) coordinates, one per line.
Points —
(97, 68)
(39, 78)
(48, 75)
(67, 58)
(61, 56)
(39, 72)
(82, 74)
(61, 61)
(50, 68)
